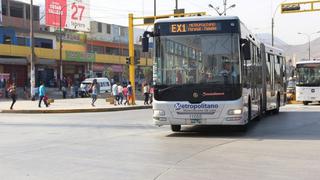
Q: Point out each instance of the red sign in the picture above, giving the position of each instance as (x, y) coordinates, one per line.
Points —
(55, 9)
(74, 14)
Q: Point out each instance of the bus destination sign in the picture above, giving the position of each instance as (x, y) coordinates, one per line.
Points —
(193, 27)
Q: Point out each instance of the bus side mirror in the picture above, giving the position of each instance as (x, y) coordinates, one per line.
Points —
(145, 44)
(246, 49)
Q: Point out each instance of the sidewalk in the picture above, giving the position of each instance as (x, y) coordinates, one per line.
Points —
(67, 106)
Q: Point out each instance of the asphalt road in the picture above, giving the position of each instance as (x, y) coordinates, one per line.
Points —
(125, 145)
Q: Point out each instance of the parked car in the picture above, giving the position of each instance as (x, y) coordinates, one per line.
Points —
(105, 86)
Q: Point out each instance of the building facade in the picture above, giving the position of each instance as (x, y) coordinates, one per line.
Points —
(100, 53)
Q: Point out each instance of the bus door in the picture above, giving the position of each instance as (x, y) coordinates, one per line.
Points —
(270, 75)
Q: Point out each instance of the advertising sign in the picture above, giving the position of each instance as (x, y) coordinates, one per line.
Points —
(80, 56)
(74, 14)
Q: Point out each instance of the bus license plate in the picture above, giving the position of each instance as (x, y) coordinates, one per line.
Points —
(195, 116)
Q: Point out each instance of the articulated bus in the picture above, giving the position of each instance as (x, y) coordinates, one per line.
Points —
(308, 81)
(213, 71)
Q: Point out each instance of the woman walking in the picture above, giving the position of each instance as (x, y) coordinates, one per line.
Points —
(146, 94)
(13, 95)
(95, 90)
(42, 94)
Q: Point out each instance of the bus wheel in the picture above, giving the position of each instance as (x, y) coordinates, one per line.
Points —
(176, 128)
(305, 103)
(243, 128)
(276, 111)
(249, 110)
(260, 110)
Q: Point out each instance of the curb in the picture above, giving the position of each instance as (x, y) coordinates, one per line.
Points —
(40, 111)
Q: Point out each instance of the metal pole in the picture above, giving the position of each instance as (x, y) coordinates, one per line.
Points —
(225, 7)
(177, 4)
(272, 35)
(32, 66)
(60, 47)
(131, 56)
(155, 8)
(309, 47)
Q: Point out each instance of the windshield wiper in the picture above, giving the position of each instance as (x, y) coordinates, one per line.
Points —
(170, 87)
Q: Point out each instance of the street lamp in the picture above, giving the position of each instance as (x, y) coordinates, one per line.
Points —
(309, 40)
(272, 22)
(225, 8)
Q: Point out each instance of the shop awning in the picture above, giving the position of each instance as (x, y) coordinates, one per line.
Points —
(15, 61)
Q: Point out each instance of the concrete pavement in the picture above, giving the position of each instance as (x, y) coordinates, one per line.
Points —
(66, 106)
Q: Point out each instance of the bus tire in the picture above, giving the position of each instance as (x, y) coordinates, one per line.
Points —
(176, 128)
(260, 110)
(305, 103)
(249, 109)
(243, 128)
(276, 111)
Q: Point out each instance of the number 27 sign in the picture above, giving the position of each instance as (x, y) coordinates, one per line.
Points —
(74, 14)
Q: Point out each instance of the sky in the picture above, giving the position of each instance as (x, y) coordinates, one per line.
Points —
(256, 14)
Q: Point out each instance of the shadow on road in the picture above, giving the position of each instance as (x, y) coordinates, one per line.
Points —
(284, 126)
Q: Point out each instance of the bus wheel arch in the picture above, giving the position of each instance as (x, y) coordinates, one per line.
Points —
(176, 128)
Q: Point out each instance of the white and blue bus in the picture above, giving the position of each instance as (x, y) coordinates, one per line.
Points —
(212, 71)
(308, 81)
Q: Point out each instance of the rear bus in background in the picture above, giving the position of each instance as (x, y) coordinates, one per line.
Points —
(212, 71)
(308, 81)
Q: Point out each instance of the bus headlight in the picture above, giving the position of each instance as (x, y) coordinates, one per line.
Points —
(158, 113)
(235, 112)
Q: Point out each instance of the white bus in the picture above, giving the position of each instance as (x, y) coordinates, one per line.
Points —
(308, 81)
(212, 71)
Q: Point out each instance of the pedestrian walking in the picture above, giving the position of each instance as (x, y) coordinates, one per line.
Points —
(146, 94)
(125, 95)
(130, 93)
(95, 90)
(120, 94)
(12, 92)
(151, 92)
(115, 93)
(42, 94)
(64, 86)
(72, 92)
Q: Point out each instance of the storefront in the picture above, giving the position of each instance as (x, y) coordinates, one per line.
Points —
(74, 70)
(99, 70)
(17, 68)
(78, 65)
(46, 71)
(116, 73)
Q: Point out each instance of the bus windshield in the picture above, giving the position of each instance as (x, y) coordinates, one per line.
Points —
(197, 59)
(308, 74)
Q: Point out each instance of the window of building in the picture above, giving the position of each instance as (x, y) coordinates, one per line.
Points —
(7, 40)
(4, 7)
(108, 28)
(123, 31)
(44, 43)
(21, 41)
(98, 49)
(16, 9)
(99, 27)
(35, 12)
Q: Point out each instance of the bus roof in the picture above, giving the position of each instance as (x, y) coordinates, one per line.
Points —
(309, 62)
(197, 18)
